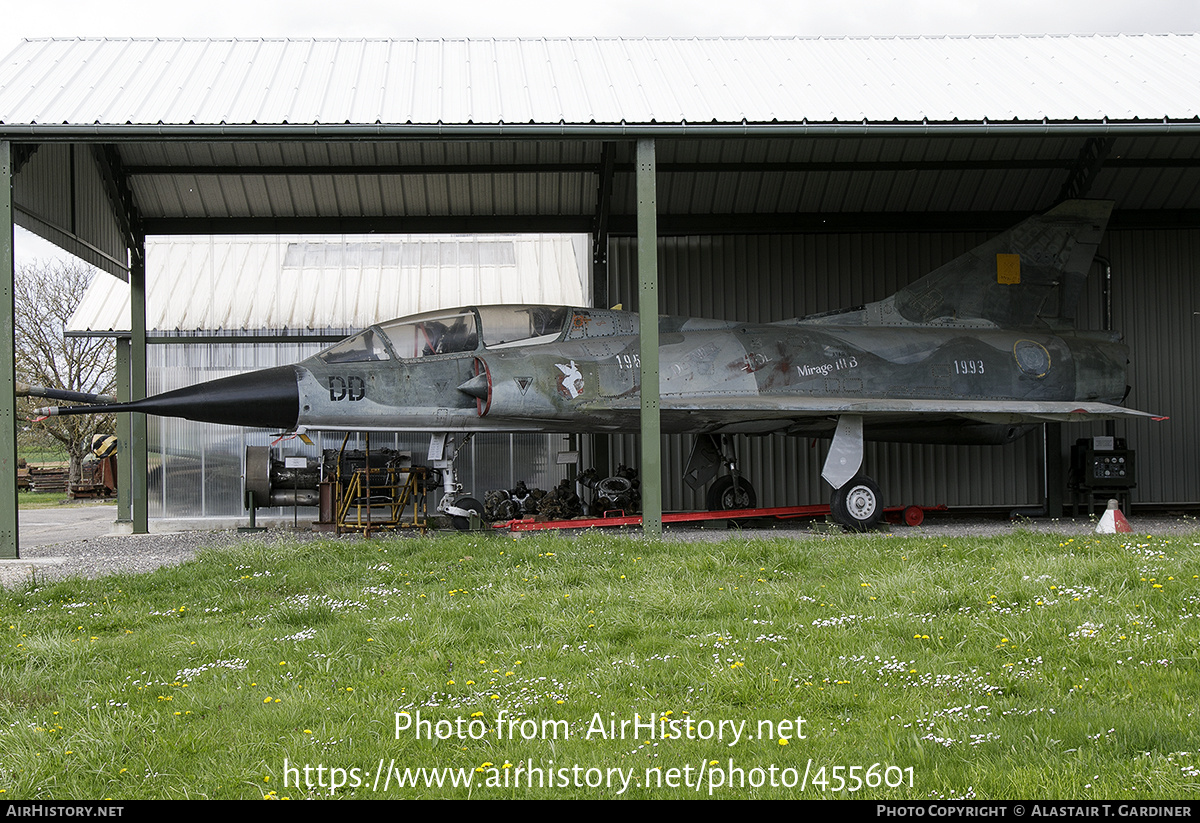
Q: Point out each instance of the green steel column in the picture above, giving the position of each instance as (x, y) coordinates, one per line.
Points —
(8, 370)
(647, 246)
(138, 457)
(124, 436)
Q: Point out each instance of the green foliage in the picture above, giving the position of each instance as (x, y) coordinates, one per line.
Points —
(1017, 667)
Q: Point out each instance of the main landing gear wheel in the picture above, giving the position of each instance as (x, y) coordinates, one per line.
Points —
(470, 504)
(722, 496)
(856, 505)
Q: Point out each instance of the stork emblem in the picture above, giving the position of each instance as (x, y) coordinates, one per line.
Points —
(570, 385)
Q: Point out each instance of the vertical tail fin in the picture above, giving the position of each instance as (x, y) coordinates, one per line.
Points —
(1010, 278)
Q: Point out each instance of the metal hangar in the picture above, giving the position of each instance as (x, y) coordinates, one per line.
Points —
(753, 179)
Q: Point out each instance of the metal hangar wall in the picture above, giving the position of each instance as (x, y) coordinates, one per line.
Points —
(764, 278)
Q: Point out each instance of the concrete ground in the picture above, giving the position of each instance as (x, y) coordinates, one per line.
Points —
(84, 539)
(63, 524)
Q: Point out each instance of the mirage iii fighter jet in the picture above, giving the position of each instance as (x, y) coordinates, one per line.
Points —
(978, 351)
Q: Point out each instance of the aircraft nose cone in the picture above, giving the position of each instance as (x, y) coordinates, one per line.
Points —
(269, 399)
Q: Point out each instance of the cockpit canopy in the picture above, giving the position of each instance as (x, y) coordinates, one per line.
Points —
(452, 331)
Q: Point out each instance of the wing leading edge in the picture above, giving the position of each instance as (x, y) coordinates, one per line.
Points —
(777, 414)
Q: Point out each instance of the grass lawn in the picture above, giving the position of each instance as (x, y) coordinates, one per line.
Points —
(1026, 666)
(41, 500)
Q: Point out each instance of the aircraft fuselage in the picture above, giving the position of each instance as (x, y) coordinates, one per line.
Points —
(714, 377)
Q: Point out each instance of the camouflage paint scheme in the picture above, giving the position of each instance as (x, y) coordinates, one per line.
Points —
(978, 351)
(959, 356)
(792, 377)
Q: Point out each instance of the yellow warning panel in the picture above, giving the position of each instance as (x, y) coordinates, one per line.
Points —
(1008, 269)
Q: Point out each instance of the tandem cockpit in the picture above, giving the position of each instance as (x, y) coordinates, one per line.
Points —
(453, 331)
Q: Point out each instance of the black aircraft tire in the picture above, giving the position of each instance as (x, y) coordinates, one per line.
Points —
(856, 505)
(470, 504)
(723, 497)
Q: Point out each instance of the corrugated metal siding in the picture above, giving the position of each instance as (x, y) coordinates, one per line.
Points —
(587, 80)
(59, 195)
(911, 182)
(696, 177)
(768, 278)
(310, 193)
(1156, 305)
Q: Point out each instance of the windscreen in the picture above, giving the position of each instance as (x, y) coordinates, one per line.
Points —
(432, 334)
(509, 325)
(363, 347)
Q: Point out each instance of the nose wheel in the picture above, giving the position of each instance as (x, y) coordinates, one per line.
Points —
(470, 506)
(856, 505)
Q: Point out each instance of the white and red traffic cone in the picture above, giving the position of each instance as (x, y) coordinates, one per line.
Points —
(1113, 522)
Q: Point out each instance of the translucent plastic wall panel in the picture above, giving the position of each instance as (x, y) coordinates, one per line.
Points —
(503, 460)
(535, 459)
(227, 285)
(197, 468)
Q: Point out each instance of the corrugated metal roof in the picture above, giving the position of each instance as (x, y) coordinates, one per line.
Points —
(233, 284)
(600, 81)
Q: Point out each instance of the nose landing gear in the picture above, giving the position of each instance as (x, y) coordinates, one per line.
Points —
(856, 505)
(454, 504)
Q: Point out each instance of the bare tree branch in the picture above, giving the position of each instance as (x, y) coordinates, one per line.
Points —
(46, 294)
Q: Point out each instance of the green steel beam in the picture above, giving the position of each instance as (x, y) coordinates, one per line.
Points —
(708, 167)
(602, 443)
(124, 435)
(138, 457)
(227, 339)
(368, 170)
(647, 252)
(625, 225)
(371, 224)
(8, 370)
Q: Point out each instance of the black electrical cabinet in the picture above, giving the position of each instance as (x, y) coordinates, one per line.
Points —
(1101, 467)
